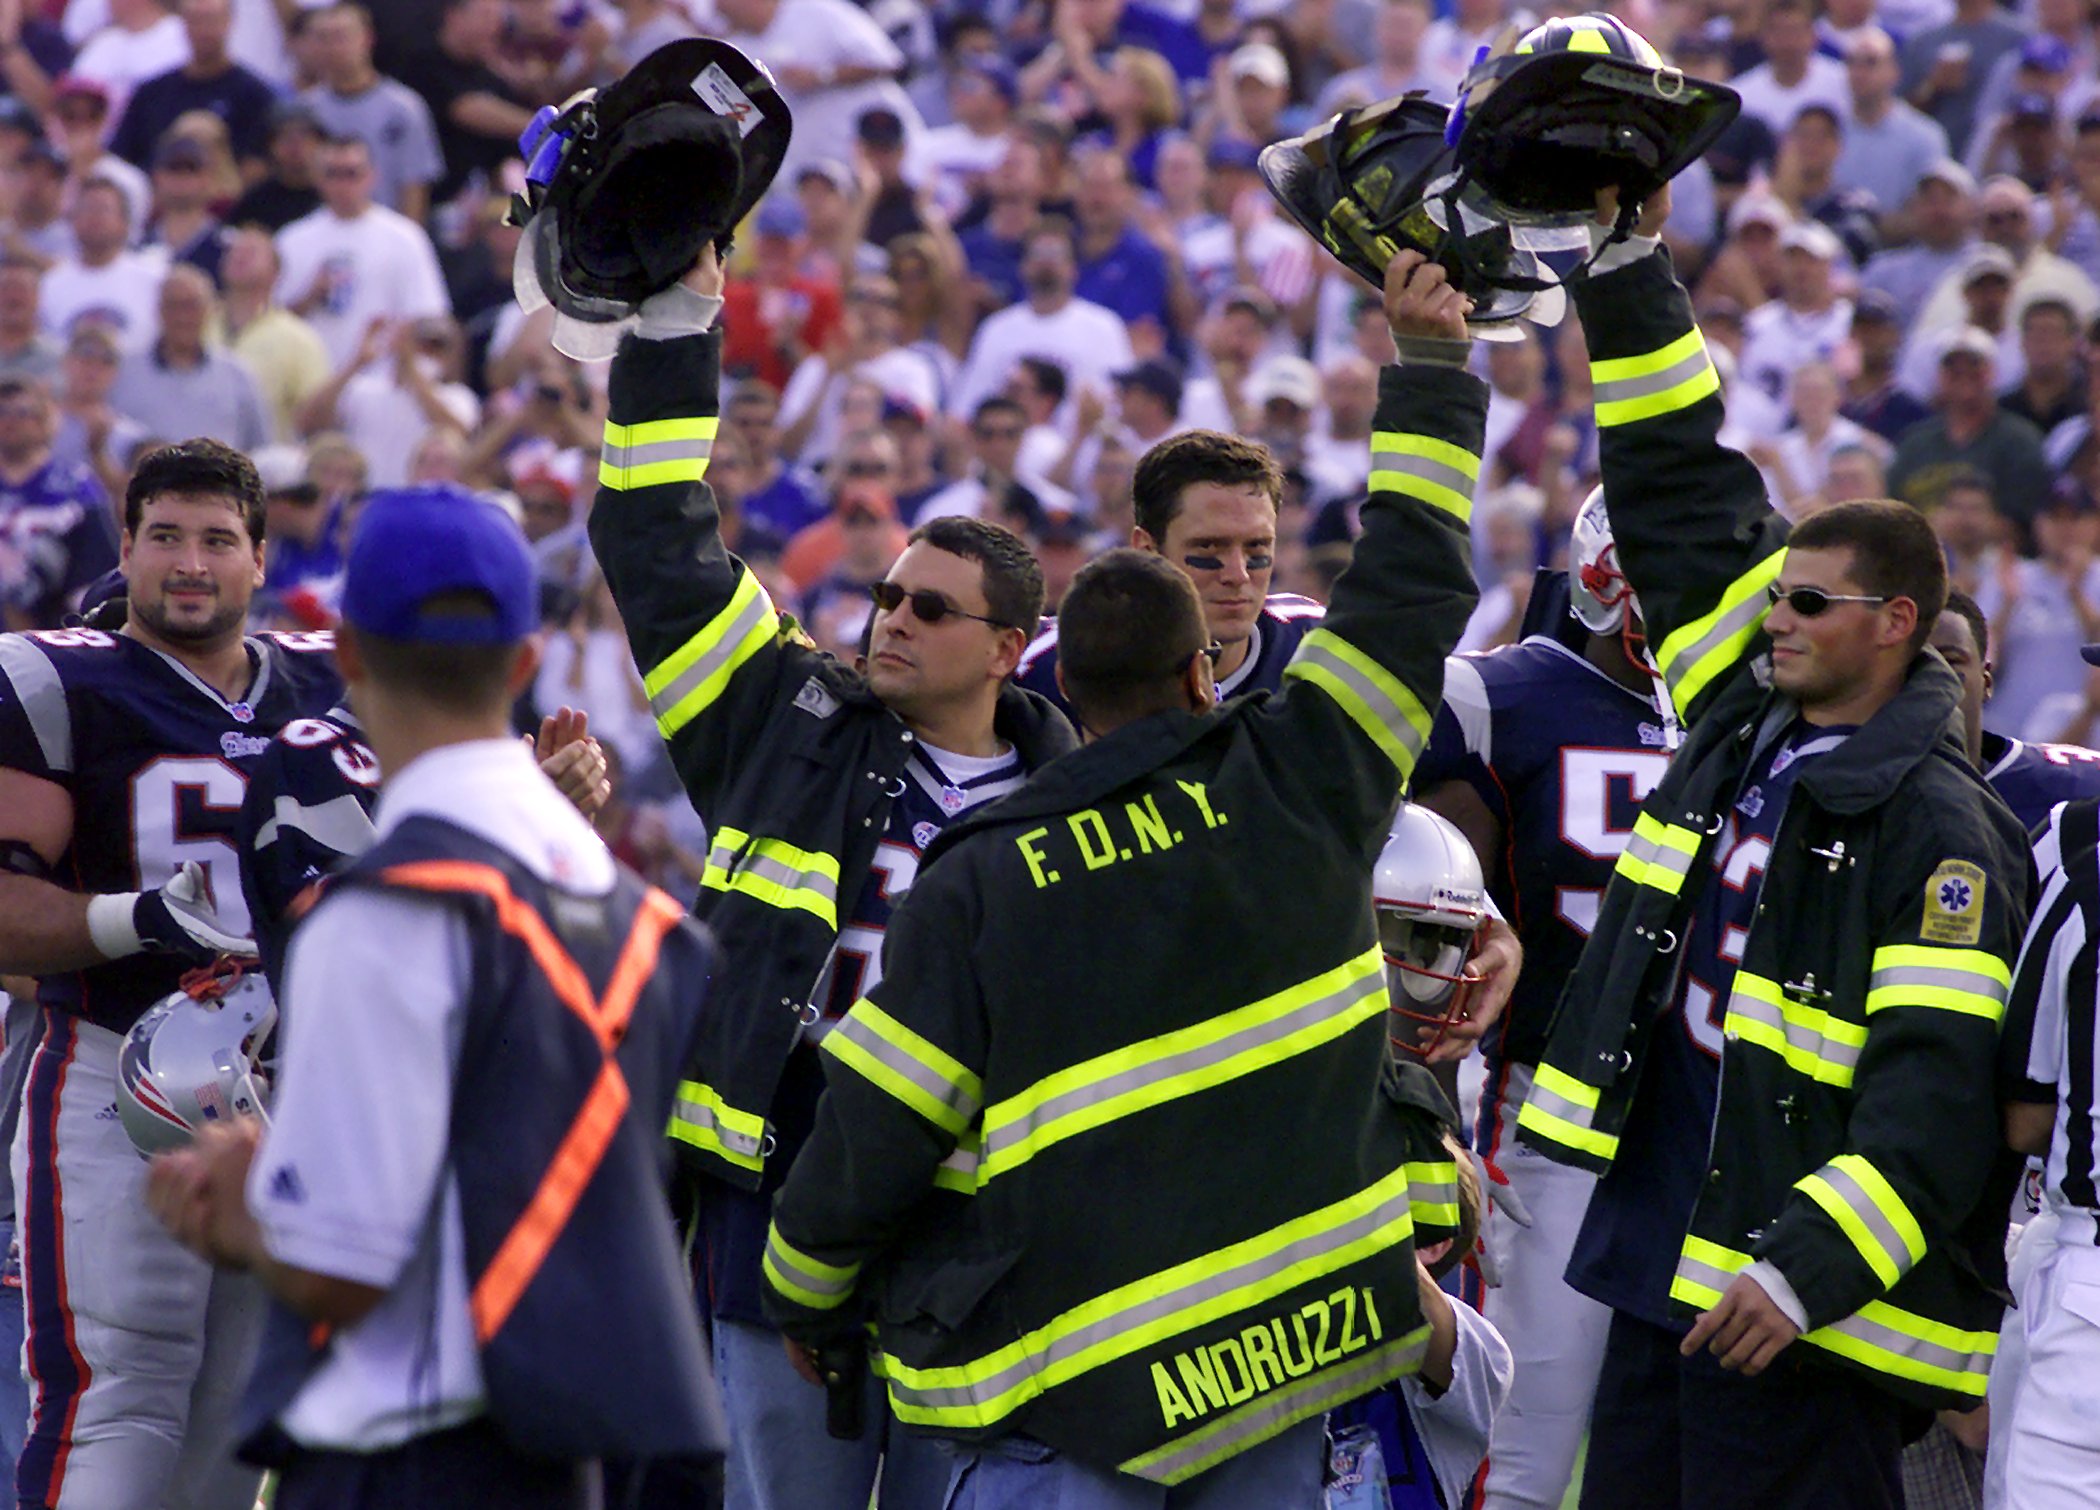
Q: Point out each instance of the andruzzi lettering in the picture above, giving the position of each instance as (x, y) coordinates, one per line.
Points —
(1264, 1355)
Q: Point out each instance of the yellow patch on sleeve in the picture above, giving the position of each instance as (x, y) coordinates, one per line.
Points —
(1953, 904)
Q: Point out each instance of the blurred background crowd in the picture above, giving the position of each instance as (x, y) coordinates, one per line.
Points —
(1016, 243)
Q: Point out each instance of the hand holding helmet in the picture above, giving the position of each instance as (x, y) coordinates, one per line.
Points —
(190, 1061)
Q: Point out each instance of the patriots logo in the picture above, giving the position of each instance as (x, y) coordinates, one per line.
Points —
(1955, 895)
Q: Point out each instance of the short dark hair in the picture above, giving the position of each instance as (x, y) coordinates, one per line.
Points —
(1013, 580)
(1180, 461)
(194, 467)
(2052, 305)
(1894, 553)
(1959, 602)
(1048, 376)
(998, 403)
(464, 679)
(1128, 624)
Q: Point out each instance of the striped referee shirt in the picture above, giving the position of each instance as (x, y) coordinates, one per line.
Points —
(2049, 1048)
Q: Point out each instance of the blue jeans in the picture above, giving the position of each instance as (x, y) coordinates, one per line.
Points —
(1017, 1473)
(14, 1389)
(781, 1457)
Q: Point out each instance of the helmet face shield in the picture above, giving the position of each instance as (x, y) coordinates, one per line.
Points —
(1430, 905)
(191, 1059)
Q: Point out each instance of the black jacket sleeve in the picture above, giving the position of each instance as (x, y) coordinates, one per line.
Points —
(1696, 535)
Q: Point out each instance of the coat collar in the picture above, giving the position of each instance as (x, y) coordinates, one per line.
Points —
(1866, 769)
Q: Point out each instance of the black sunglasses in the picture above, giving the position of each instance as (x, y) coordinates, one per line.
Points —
(1213, 650)
(927, 606)
(1811, 601)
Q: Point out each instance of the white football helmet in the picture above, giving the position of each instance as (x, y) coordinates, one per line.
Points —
(191, 1059)
(1597, 590)
(1432, 905)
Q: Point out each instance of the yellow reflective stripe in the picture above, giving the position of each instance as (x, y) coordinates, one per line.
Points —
(1169, 1066)
(805, 1280)
(1855, 1195)
(958, 1172)
(1704, 1271)
(655, 452)
(1909, 1346)
(1432, 1192)
(1660, 855)
(1204, 1289)
(1372, 696)
(690, 678)
(1659, 382)
(774, 872)
(1969, 981)
(1698, 652)
(916, 1071)
(1809, 1039)
(1421, 466)
(1267, 1415)
(1561, 1108)
(700, 1117)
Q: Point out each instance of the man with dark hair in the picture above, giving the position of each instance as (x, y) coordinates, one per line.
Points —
(477, 1293)
(211, 80)
(1207, 502)
(1777, 1046)
(1090, 343)
(56, 533)
(821, 785)
(1027, 1141)
(123, 758)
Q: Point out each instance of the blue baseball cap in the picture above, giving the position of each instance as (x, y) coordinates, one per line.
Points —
(2046, 54)
(413, 544)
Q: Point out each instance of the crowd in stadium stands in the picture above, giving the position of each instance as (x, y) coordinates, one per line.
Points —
(1015, 243)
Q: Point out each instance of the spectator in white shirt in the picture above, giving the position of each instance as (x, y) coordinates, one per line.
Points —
(864, 349)
(961, 155)
(81, 109)
(1088, 342)
(141, 40)
(102, 283)
(352, 260)
(1395, 68)
(1794, 73)
(1800, 459)
(1338, 451)
(1450, 44)
(386, 407)
(833, 64)
(1808, 322)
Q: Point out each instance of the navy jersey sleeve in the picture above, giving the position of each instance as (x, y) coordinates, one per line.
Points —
(1460, 739)
(306, 812)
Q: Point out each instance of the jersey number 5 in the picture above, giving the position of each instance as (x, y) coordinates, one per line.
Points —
(1601, 791)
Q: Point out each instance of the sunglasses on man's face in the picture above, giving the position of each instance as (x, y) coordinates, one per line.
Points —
(927, 606)
(1809, 602)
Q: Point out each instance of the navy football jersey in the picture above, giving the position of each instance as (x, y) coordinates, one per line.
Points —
(2033, 778)
(1627, 1249)
(308, 809)
(157, 765)
(1285, 619)
(1563, 756)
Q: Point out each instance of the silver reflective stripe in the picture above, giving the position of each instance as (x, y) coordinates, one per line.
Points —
(43, 697)
(1682, 370)
(1160, 1307)
(1443, 1193)
(625, 457)
(340, 823)
(1267, 1416)
(780, 1257)
(700, 1114)
(1798, 1035)
(1887, 1338)
(1972, 981)
(728, 644)
(766, 868)
(1857, 1196)
(998, 1139)
(1744, 616)
(1442, 474)
(1557, 1105)
(852, 1029)
(1650, 852)
(1382, 707)
(1703, 1274)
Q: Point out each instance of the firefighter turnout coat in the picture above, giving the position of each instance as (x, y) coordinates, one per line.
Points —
(783, 750)
(1106, 1153)
(1857, 1118)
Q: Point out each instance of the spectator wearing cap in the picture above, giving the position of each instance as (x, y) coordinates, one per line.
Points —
(774, 312)
(1139, 101)
(1986, 284)
(964, 37)
(1872, 397)
(1243, 241)
(2022, 141)
(959, 157)
(1793, 73)
(1256, 94)
(1944, 67)
(478, 113)
(1806, 179)
(891, 206)
(80, 111)
(2060, 44)
(1284, 394)
(1396, 64)
(103, 282)
(298, 522)
(1809, 320)
(354, 260)
(1013, 201)
(833, 235)
(1455, 38)
(37, 228)
(1040, 387)
(833, 64)
(548, 481)
(25, 351)
(183, 384)
(280, 350)
(2008, 218)
(1746, 269)
(1941, 214)
(140, 41)
(57, 532)
(2052, 385)
(182, 224)
(2041, 610)
(288, 189)
(209, 80)
(1969, 429)
(1120, 268)
(865, 350)
(1090, 343)
(1889, 144)
(90, 431)
(353, 99)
